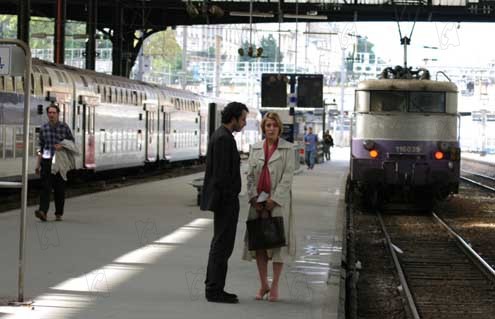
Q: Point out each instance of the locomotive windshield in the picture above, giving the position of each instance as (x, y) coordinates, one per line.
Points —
(427, 102)
(407, 101)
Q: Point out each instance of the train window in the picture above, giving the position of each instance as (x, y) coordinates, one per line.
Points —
(19, 142)
(104, 97)
(19, 84)
(388, 101)
(109, 96)
(427, 102)
(32, 84)
(41, 85)
(9, 142)
(9, 84)
(2, 83)
(50, 81)
(2, 135)
(98, 89)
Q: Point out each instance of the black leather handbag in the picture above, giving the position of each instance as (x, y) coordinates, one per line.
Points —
(266, 232)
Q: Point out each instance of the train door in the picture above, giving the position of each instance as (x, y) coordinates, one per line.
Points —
(89, 142)
(151, 133)
(167, 142)
(77, 130)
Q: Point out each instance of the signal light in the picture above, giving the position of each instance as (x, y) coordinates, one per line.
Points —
(374, 153)
(252, 52)
(438, 155)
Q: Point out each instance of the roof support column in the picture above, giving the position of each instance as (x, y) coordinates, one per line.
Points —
(117, 40)
(23, 18)
(91, 32)
(59, 45)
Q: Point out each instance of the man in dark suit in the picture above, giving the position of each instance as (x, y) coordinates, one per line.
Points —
(221, 188)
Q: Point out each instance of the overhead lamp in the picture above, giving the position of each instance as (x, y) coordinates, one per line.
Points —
(253, 14)
(305, 16)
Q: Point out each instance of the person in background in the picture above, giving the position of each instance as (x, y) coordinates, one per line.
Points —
(220, 194)
(327, 143)
(53, 137)
(270, 171)
(311, 142)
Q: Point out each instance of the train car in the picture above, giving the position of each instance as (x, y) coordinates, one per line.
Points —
(116, 122)
(211, 119)
(405, 138)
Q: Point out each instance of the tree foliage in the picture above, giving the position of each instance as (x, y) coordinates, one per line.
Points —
(165, 51)
(270, 49)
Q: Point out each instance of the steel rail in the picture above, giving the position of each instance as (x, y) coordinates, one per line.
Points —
(479, 175)
(472, 181)
(470, 252)
(402, 277)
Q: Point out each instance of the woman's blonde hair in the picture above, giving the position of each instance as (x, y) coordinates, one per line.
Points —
(272, 116)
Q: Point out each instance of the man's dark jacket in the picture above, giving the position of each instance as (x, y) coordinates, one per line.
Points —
(222, 183)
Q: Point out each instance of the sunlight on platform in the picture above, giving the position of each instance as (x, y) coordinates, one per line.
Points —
(76, 294)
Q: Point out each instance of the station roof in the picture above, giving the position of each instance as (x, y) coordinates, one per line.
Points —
(159, 14)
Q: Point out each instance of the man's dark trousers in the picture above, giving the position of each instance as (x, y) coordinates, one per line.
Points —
(222, 245)
(49, 181)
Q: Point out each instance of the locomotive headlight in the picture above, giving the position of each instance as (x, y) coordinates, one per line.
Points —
(373, 153)
(439, 155)
(368, 144)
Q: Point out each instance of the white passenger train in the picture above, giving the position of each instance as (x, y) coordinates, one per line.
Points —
(116, 122)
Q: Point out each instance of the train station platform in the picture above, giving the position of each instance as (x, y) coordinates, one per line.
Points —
(478, 157)
(141, 252)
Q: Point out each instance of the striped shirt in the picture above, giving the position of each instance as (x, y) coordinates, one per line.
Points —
(51, 135)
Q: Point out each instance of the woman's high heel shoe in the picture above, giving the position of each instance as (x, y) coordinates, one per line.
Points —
(273, 298)
(261, 294)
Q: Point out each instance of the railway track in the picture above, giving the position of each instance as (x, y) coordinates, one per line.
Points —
(481, 180)
(441, 276)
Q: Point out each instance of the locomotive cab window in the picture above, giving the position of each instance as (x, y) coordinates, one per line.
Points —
(388, 101)
(427, 102)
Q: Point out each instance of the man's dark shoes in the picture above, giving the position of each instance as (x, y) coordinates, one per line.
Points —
(41, 215)
(222, 297)
(229, 295)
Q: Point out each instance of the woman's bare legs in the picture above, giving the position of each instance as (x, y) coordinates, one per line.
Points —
(277, 270)
(262, 263)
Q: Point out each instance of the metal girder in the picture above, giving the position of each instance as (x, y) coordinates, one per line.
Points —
(161, 14)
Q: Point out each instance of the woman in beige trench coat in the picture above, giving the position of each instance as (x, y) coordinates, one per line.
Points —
(281, 170)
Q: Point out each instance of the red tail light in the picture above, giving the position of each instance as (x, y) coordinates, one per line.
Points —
(439, 155)
(374, 153)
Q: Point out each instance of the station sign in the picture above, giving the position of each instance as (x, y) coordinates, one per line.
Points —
(5, 54)
(292, 100)
(12, 60)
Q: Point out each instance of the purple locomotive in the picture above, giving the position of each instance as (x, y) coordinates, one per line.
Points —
(405, 139)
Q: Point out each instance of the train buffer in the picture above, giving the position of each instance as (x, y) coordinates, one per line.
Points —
(198, 184)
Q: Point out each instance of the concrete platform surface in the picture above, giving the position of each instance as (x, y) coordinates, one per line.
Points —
(141, 252)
